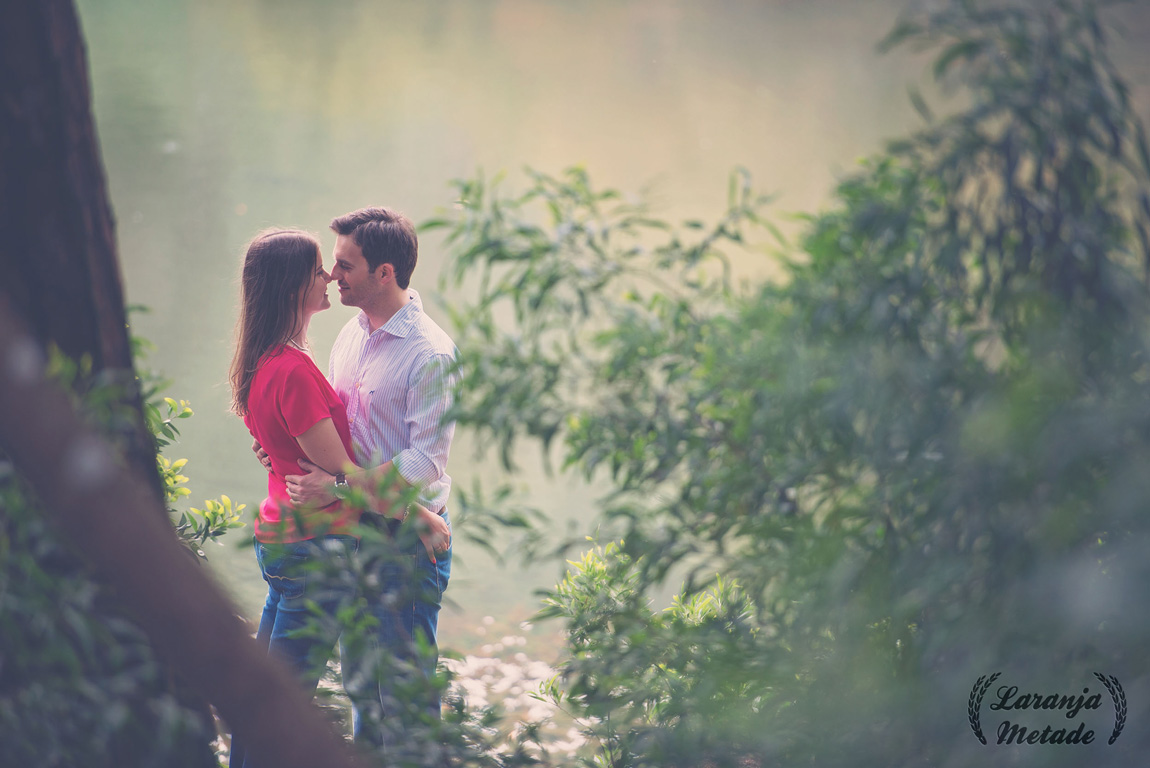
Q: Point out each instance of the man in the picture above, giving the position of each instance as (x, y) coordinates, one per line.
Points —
(392, 366)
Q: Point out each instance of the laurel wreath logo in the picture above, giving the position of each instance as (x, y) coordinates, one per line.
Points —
(981, 686)
(1119, 698)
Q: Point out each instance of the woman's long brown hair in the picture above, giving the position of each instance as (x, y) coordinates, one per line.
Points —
(278, 266)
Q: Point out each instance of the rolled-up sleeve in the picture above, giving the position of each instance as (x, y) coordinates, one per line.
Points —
(429, 398)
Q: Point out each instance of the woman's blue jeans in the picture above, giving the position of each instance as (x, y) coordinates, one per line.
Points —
(308, 582)
(303, 577)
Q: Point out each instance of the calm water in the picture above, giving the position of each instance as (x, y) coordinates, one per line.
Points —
(220, 118)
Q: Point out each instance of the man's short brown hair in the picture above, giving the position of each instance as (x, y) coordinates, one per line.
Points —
(385, 237)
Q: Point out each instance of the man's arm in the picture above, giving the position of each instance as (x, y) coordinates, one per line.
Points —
(317, 486)
(424, 460)
(262, 455)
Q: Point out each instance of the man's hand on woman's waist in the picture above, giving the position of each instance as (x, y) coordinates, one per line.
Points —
(316, 488)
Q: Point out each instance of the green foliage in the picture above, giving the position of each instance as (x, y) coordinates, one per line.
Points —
(79, 684)
(101, 398)
(919, 455)
(198, 526)
(195, 526)
(677, 682)
(600, 261)
(486, 517)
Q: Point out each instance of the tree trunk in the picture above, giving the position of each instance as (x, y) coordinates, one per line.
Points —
(61, 285)
(57, 236)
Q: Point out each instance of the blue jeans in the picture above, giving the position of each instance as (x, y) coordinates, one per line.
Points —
(387, 672)
(302, 577)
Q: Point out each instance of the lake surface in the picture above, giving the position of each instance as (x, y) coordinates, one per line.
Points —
(218, 119)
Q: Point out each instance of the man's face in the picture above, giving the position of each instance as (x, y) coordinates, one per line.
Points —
(357, 286)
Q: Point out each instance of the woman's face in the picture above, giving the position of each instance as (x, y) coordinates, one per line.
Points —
(315, 292)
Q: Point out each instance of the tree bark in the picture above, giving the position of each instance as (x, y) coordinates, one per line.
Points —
(57, 236)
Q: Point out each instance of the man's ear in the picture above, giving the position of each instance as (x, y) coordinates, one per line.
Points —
(385, 272)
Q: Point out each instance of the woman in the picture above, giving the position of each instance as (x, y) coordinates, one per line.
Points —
(293, 413)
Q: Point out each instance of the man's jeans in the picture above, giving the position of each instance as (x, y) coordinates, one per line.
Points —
(386, 672)
(303, 576)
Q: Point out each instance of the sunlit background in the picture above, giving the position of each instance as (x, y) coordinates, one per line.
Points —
(217, 119)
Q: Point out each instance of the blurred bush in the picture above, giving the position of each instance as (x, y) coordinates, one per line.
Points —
(916, 459)
(80, 684)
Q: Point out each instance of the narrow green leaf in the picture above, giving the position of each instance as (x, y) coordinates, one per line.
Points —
(965, 49)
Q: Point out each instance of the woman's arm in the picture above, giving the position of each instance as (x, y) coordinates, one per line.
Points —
(322, 446)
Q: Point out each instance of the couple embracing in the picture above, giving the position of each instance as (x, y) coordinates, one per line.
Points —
(376, 418)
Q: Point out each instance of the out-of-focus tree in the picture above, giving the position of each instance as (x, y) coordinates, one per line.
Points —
(917, 459)
(107, 624)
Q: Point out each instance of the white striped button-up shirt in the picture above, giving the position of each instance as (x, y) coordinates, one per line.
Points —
(397, 383)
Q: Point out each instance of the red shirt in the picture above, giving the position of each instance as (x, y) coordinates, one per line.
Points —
(288, 397)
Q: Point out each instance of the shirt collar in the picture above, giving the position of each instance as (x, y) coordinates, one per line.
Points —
(401, 322)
